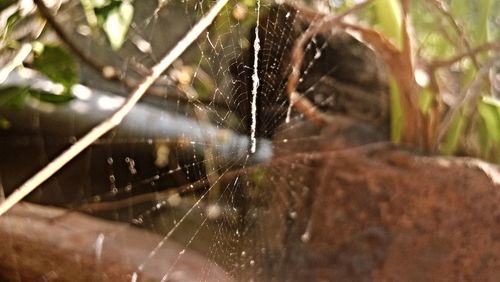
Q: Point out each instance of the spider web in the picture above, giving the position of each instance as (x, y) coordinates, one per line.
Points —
(183, 163)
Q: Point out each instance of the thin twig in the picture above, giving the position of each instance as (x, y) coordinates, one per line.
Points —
(443, 8)
(115, 119)
(147, 197)
(18, 59)
(432, 69)
(401, 69)
(433, 66)
(107, 71)
(468, 97)
(45, 12)
(204, 183)
(470, 53)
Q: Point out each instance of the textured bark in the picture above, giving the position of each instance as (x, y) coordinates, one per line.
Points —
(377, 212)
(50, 244)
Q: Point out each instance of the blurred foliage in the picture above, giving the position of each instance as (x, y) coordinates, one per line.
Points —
(388, 14)
(396, 113)
(489, 128)
(443, 29)
(4, 123)
(6, 3)
(14, 97)
(112, 16)
(426, 101)
(454, 134)
(57, 64)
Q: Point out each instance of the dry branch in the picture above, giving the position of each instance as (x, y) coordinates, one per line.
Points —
(108, 72)
(113, 73)
(469, 97)
(444, 10)
(401, 64)
(44, 243)
(434, 65)
(117, 117)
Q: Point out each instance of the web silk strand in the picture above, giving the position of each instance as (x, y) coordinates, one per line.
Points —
(255, 82)
(115, 119)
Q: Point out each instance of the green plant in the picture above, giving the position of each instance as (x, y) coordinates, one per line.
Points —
(440, 38)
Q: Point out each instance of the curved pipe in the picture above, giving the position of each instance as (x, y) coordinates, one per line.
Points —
(91, 106)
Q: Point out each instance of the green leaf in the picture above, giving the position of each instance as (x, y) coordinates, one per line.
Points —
(103, 8)
(454, 135)
(249, 3)
(389, 18)
(425, 100)
(14, 97)
(475, 16)
(460, 8)
(57, 64)
(88, 7)
(51, 97)
(117, 22)
(489, 110)
(481, 28)
(484, 140)
(489, 129)
(102, 3)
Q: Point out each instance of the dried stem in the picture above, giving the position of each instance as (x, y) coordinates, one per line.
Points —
(147, 197)
(470, 96)
(115, 119)
(405, 76)
(470, 53)
(402, 69)
(107, 71)
(433, 66)
(18, 59)
(432, 69)
(103, 69)
(227, 175)
(443, 9)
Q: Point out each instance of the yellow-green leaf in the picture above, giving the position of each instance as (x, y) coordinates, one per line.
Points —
(425, 100)
(489, 110)
(389, 18)
(454, 135)
(116, 24)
